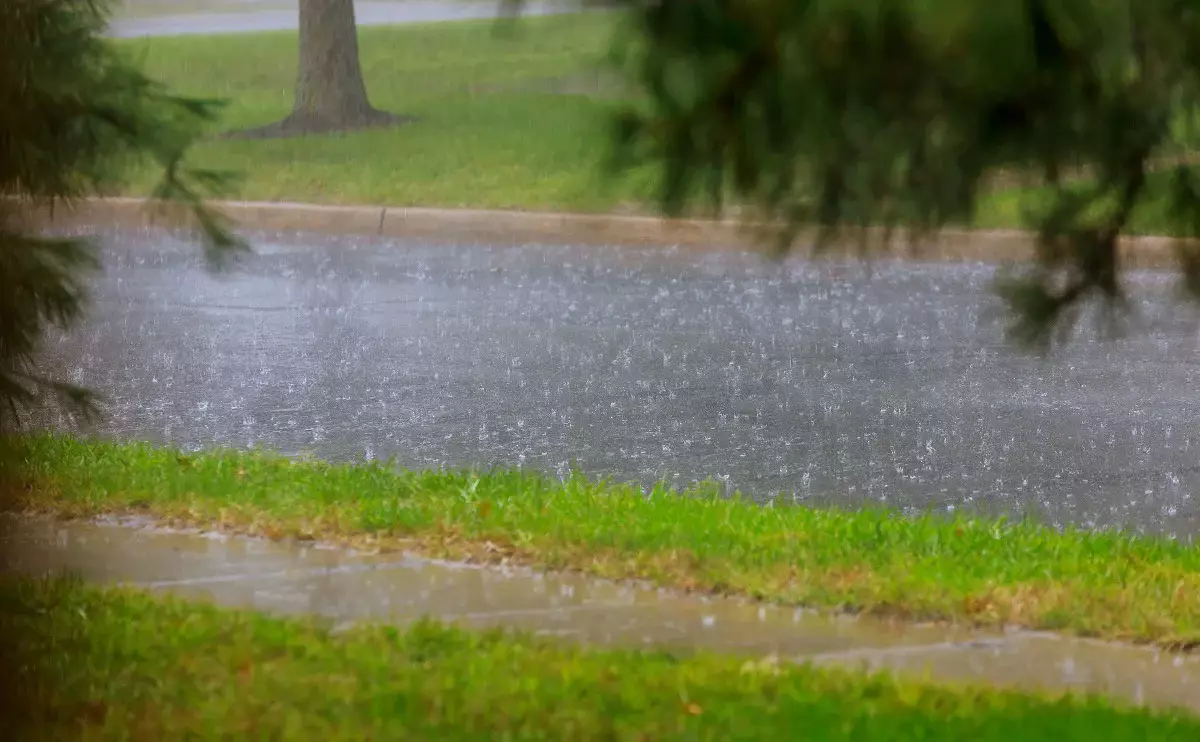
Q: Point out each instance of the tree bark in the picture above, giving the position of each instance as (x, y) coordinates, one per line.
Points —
(331, 95)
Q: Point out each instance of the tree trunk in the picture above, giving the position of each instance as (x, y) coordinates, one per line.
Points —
(330, 91)
(331, 95)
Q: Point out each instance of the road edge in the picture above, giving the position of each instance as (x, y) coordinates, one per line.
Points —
(560, 228)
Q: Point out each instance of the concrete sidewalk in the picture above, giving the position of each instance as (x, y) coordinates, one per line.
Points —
(344, 587)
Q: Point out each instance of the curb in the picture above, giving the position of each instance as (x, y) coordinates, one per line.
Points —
(551, 228)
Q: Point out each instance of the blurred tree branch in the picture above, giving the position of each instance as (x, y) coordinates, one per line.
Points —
(74, 116)
(844, 114)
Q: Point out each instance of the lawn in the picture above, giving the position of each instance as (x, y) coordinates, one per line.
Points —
(975, 571)
(490, 131)
(494, 129)
(92, 663)
(509, 121)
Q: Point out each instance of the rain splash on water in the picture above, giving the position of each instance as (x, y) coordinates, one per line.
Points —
(813, 382)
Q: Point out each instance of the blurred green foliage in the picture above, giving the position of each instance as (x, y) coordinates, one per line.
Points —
(74, 115)
(895, 113)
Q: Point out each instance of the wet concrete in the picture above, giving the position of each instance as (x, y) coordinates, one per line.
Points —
(247, 17)
(816, 382)
(343, 588)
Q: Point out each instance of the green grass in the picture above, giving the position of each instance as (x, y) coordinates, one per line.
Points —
(1005, 208)
(92, 663)
(975, 571)
(488, 134)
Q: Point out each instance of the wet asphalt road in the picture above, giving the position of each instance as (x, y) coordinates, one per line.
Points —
(284, 16)
(815, 382)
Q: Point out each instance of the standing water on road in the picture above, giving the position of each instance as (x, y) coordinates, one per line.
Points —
(815, 382)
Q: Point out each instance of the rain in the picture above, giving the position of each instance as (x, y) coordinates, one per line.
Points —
(824, 382)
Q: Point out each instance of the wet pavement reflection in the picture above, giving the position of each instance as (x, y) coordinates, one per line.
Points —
(814, 382)
(344, 587)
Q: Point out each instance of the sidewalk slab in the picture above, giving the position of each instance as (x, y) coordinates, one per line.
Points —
(344, 587)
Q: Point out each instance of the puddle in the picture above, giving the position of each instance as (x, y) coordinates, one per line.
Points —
(346, 587)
